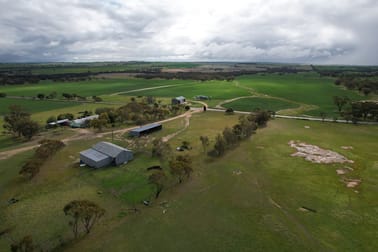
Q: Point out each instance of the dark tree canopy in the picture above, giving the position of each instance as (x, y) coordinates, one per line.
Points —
(158, 179)
(84, 215)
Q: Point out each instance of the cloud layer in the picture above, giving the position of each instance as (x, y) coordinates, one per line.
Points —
(338, 31)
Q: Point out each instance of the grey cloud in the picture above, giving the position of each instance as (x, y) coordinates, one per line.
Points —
(287, 31)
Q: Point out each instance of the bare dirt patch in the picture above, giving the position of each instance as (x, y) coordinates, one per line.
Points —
(352, 183)
(316, 154)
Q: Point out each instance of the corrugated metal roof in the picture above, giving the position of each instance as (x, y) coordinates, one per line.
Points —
(82, 120)
(108, 149)
(94, 155)
(146, 127)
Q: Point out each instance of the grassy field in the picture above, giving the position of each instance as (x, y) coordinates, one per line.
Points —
(34, 106)
(216, 90)
(258, 210)
(216, 209)
(306, 88)
(250, 104)
(86, 88)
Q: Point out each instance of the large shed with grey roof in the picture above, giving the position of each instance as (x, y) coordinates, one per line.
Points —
(104, 154)
(146, 129)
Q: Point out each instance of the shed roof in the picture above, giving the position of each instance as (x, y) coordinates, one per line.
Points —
(146, 127)
(81, 120)
(94, 155)
(180, 97)
(108, 149)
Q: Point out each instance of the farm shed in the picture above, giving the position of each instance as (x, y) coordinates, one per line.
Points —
(63, 122)
(145, 129)
(105, 153)
(81, 123)
(178, 100)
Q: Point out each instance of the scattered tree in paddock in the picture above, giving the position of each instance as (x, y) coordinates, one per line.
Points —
(205, 142)
(83, 212)
(160, 149)
(181, 167)
(158, 179)
(220, 145)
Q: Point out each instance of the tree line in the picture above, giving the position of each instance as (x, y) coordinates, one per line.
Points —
(363, 85)
(356, 110)
(230, 137)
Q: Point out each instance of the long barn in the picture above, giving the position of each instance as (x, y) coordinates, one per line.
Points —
(145, 129)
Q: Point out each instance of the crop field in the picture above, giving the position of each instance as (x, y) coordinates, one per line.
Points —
(250, 104)
(216, 90)
(34, 106)
(304, 88)
(86, 88)
(248, 199)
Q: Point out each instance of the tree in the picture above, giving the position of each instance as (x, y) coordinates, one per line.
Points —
(28, 128)
(160, 149)
(261, 117)
(24, 245)
(323, 115)
(181, 167)
(205, 142)
(158, 179)
(229, 137)
(85, 213)
(13, 118)
(100, 122)
(51, 119)
(220, 145)
(41, 96)
(68, 116)
(340, 102)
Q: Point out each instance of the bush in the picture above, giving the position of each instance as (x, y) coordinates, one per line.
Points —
(2, 95)
(229, 111)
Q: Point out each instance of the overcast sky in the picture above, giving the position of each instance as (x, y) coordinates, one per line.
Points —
(303, 31)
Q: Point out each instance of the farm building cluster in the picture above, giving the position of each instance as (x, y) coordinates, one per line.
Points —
(77, 123)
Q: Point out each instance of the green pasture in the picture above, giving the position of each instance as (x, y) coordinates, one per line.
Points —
(250, 104)
(86, 88)
(34, 106)
(220, 210)
(216, 90)
(306, 88)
